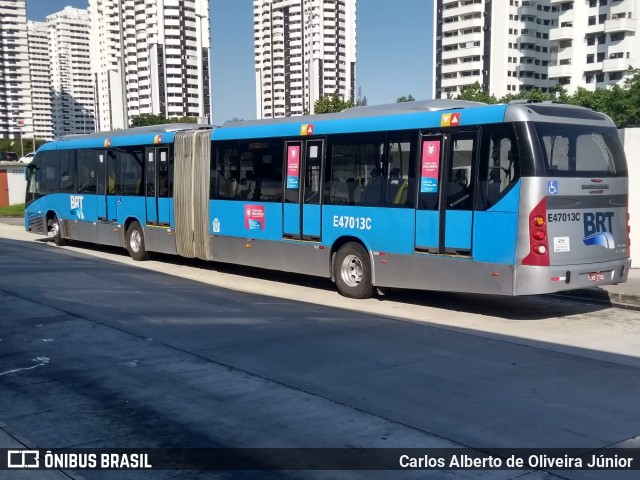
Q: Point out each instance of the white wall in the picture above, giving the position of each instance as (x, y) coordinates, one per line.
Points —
(16, 182)
(631, 140)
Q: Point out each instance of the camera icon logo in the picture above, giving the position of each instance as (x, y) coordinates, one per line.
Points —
(23, 459)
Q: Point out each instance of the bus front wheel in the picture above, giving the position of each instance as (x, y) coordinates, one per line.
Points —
(352, 271)
(53, 231)
(135, 242)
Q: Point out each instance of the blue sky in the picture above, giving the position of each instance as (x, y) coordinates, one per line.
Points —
(394, 50)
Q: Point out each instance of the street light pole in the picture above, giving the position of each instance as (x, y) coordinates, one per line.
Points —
(21, 124)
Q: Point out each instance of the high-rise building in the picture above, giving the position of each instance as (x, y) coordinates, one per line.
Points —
(304, 50)
(73, 108)
(504, 46)
(594, 43)
(150, 57)
(15, 83)
(40, 67)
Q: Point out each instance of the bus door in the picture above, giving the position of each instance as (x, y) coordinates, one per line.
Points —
(157, 186)
(444, 216)
(303, 190)
(107, 200)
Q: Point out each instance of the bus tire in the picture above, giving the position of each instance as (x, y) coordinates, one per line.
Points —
(135, 243)
(352, 271)
(53, 231)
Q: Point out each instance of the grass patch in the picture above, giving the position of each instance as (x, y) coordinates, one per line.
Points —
(12, 211)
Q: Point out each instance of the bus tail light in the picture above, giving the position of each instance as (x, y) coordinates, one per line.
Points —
(538, 244)
(628, 232)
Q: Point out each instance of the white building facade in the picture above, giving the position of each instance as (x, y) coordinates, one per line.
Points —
(16, 118)
(40, 68)
(304, 50)
(72, 101)
(502, 45)
(150, 57)
(594, 43)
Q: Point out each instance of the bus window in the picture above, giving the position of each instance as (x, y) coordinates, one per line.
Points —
(499, 165)
(459, 188)
(582, 150)
(67, 170)
(261, 170)
(355, 174)
(225, 168)
(131, 165)
(165, 172)
(111, 172)
(87, 178)
(51, 173)
(401, 170)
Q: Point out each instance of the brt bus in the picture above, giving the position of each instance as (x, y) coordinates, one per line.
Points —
(516, 199)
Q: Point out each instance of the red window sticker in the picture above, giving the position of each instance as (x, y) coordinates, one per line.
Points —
(254, 217)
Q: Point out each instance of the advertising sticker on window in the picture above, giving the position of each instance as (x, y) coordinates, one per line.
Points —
(293, 166)
(254, 217)
(430, 166)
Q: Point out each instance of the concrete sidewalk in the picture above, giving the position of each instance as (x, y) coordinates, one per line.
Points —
(624, 295)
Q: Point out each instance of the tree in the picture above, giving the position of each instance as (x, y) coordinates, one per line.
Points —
(408, 98)
(147, 119)
(332, 104)
(474, 93)
(526, 95)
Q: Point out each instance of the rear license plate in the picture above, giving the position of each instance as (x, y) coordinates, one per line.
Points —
(595, 276)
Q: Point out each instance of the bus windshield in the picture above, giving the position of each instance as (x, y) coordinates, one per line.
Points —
(581, 150)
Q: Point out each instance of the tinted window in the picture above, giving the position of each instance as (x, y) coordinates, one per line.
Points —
(224, 172)
(499, 167)
(50, 172)
(248, 170)
(67, 170)
(86, 171)
(581, 150)
(355, 174)
(131, 166)
(459, 185)
(401, 170)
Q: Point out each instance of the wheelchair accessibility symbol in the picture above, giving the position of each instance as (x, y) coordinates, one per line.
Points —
(552, 187)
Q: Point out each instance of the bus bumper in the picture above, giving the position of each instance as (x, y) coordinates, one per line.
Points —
(535, 280)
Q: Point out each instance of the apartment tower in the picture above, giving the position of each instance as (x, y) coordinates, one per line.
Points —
(40, 68)
(502, 45)
(150, 57)
(594, 43)
(72, 102)
(304, 50)
(15, 84)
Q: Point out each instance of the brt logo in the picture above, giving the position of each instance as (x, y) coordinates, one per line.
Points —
(597, 229)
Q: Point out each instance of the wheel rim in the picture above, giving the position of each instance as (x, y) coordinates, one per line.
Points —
(135, 241)
(54, 229)
(352, 270)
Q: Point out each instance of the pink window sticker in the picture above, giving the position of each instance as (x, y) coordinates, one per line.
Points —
(293, 167)
(254, 217)
(430, 166)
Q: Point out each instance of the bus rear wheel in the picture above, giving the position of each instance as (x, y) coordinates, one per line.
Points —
(53, 231)
(352, 271)
(135, 243)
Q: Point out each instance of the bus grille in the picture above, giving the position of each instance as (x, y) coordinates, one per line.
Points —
(36, 224)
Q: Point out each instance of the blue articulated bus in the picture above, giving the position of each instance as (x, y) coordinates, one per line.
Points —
(514, 199)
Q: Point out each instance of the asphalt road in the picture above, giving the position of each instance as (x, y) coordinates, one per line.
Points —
(96, 352)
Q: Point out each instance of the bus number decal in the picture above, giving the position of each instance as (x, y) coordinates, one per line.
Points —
(563, 217)
(345, 221)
